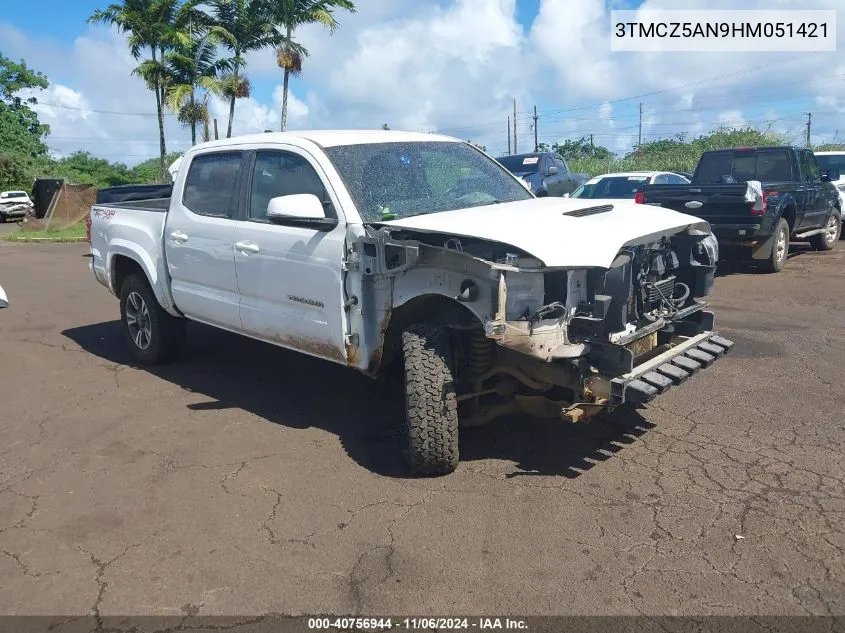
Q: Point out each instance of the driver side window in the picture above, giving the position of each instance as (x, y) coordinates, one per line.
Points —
(279, 173)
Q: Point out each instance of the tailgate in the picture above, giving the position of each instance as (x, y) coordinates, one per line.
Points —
(718, 204)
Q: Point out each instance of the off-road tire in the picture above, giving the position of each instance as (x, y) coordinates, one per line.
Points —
(431, 406)
(823, 241)
(774, 263)
(167, 333)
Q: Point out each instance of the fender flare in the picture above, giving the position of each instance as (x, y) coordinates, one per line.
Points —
(125, 248)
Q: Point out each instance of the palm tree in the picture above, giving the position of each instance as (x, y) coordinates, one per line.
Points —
(248, 27)
(192, 64)
(291, 14)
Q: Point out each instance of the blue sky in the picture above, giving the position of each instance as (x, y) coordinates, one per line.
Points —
(448, 65)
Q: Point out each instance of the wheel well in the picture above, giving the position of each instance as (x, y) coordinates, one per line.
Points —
(435, 309)
(789, 215)
(122, 267)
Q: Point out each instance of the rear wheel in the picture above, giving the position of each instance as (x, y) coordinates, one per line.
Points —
(827, 240)
(780, 248)
(153, 335)
(431, 407)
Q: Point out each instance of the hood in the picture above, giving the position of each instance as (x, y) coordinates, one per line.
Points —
(542, 227)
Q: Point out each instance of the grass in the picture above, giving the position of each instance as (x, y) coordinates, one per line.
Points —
(72, 233)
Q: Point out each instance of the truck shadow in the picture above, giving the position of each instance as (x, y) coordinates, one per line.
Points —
(729, 266)
(298, 392)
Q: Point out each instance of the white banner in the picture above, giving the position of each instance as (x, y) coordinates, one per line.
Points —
(726, 31)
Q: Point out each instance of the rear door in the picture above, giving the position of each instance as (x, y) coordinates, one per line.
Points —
(290, 277)
(819, 206)
(199, 240)
(807, 195)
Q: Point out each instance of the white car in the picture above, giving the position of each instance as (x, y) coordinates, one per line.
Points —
(827, 160)
(14, 204)
(620, 186)
(420, 254)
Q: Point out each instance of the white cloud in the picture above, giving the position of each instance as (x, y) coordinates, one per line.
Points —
(456, 66)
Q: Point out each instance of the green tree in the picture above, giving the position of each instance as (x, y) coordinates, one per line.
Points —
(247, 26)
(84, 169)
(193, 64)
(578, 150)
(21, 133)
(148, 172)
(290, 15)
(151, 26)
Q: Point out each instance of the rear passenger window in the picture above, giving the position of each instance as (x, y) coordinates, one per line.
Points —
(211, 183)
(280, 173)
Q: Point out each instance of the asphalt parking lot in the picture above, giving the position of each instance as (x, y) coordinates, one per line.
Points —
(246, 479)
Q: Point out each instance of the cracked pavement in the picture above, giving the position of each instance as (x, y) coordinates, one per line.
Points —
(245, 479)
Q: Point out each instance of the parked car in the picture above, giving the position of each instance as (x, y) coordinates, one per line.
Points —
(624, 185)
(545, 173)
(380, 250)
(828, 160)
(758, 199)
(15, 204)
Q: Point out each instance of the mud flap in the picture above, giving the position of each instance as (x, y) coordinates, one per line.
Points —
(764, 250)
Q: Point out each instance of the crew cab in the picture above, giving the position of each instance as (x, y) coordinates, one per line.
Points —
(416, 253)
(757, 200)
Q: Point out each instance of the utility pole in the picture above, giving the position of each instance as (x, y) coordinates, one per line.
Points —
(591, 141)
(515, 150)
(216, 136)
(809, 126)
(536, 139)
(509, 135)
(640, 141)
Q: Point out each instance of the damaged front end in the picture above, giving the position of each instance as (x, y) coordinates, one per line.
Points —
(632, 330)
(552, 342)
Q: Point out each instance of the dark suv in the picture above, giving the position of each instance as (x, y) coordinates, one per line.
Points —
(545, 172)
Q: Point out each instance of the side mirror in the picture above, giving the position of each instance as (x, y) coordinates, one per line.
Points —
(4, 301)
(300, 209)
(553, 170)
(299, 205)
(831, 174)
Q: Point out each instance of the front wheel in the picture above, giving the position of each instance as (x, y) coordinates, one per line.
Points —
(827, 240)
(431, 406)
(780, 248)
(154, 336)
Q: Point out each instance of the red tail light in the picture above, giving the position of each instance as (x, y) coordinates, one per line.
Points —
(88, 228)
(639, 197)
(761, 206)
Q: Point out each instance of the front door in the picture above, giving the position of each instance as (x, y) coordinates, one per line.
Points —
(290, 277)
(199, 240)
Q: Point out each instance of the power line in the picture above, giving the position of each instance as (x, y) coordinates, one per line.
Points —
(674, 88)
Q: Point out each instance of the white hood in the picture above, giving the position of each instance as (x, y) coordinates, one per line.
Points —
(540, 228)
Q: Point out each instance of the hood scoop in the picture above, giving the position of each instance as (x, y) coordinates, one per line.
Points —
(582, 213)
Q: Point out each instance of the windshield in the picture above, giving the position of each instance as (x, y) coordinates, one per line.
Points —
(395, 180)
(521, 164)
(611, 187)
(12, 194)
(826, 161)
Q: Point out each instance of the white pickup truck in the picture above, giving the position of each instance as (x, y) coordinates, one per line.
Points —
(385, 249)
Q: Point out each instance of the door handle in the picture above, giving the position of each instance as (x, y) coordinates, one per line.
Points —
(179, 237)
(247, 247)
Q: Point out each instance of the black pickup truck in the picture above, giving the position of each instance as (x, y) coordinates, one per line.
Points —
(757, 200)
